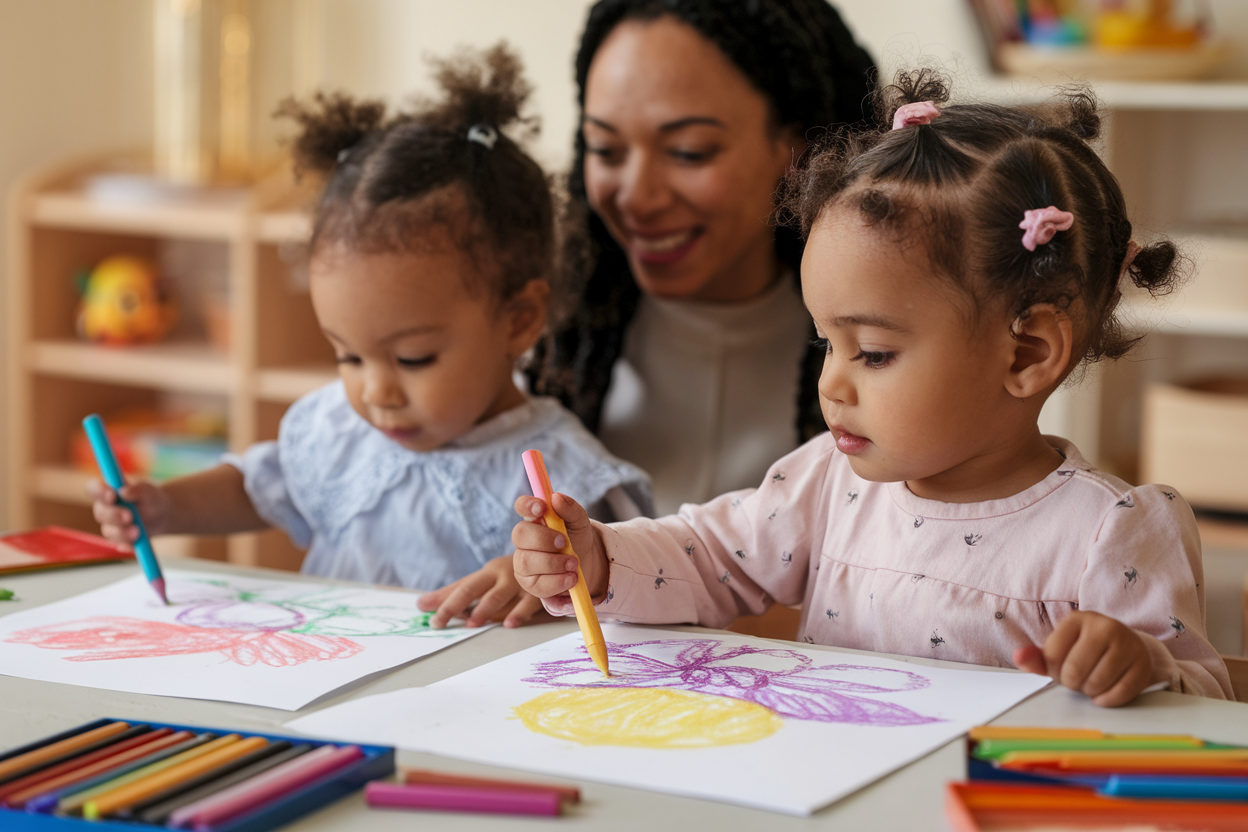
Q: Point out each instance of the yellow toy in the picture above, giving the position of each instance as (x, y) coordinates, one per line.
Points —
(123, 303)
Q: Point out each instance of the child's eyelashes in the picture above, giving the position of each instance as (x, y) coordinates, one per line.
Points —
(821, 344)
(406, 363)
(874, 359)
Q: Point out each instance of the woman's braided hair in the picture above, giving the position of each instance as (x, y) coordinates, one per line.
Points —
(801, 57)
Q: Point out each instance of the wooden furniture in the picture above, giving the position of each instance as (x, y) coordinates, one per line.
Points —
(275, 352)
(911, 798)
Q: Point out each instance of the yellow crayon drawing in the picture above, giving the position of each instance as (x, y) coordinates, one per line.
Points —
(647, 718)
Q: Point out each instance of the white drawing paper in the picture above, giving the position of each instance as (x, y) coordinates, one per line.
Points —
(279, 644)
(717, 716)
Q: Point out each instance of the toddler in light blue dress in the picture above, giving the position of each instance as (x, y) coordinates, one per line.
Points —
(431, 256)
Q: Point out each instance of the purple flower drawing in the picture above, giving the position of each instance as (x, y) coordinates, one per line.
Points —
(786, 681)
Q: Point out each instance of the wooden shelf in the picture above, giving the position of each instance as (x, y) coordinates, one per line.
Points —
(283, 227)
(285, 385)
(1212, 96)
(212, 219)
(1217, 533)
(194, 368)
(61, 483)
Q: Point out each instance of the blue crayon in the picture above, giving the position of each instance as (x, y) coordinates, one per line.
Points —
(111, 471)
(1176, 787)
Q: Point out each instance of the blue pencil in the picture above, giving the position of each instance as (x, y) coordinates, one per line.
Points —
(111, 471)
(1176, 787)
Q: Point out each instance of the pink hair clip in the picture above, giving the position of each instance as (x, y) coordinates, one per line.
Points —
(1042, 223)
(920, 112)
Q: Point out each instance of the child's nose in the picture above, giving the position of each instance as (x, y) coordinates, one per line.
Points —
(382, 389)
(836, 384)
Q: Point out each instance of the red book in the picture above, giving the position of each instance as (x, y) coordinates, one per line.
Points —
(56, 546)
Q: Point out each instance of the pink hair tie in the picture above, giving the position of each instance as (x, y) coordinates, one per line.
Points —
(920, 112)
(1042, 223)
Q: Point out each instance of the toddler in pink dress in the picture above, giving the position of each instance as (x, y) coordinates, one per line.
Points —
(958, 268)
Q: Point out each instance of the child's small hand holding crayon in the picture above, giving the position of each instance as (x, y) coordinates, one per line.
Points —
(1094, 654)
(117, 522)
(493, 587)
(540, 567)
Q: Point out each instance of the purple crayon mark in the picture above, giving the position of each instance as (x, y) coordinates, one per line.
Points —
(802, 690)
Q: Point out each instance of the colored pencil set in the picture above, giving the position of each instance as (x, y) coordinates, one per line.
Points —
(145, 775)
(1078, 776)
(422, 789)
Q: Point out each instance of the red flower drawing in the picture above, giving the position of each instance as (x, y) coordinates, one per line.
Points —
(116, 637)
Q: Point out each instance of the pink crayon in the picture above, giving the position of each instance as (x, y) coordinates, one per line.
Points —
(275, 783)
(463, 799)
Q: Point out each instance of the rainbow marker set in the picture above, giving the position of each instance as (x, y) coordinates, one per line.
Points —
(121, 774)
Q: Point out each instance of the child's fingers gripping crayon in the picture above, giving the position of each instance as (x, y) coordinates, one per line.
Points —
(595, 644)
(541, 566)
(115, 509)
(111, 471)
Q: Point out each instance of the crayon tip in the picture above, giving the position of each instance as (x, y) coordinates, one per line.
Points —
(158, 584)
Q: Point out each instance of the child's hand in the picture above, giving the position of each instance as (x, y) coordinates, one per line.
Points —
(116, 522)
(493, 587)
(540, 567)
(1095, 654)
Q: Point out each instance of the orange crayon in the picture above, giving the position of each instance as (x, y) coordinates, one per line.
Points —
(591, 631)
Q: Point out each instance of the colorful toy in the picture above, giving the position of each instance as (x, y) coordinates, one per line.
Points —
(123, 302)
(1151, 25)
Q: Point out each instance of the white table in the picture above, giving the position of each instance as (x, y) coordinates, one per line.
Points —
(909, 799)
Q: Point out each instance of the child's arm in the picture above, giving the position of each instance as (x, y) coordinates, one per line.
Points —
(496, 591)
(1141, 616)
(210, 502)
(708, 565)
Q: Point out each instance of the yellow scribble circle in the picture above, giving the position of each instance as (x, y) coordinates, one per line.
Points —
(647, 718)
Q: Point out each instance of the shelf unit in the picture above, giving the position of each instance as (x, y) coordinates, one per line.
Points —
(275, 353)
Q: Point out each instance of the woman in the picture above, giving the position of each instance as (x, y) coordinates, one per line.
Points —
(689, 353)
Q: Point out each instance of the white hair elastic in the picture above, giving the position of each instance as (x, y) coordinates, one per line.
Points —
(483, 134)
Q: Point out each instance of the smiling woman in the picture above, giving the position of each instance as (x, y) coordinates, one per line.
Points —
(688, 352)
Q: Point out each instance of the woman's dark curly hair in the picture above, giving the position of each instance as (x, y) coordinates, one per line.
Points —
(390, 179)
(961, 185)
(800, 56)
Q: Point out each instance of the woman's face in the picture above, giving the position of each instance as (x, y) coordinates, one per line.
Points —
(682, 161)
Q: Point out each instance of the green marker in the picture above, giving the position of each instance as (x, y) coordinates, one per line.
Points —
(7, 595)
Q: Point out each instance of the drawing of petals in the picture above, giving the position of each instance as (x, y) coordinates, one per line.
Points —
(855, 679)
(285, 650)
(236, 615)
(115, 637)
(836, 707)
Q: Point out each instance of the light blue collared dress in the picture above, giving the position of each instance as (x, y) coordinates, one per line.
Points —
(368, 509)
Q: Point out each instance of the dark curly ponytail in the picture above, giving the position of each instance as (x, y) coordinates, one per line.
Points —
(448, 162)
(962, 184)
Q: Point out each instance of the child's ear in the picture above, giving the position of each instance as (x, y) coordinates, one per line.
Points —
(525, 316)
(1043, 342)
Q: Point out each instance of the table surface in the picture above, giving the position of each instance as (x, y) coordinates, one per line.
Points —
(911, 798)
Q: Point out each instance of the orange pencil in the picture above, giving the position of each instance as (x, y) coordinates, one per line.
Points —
(591, 631)
(420, 776)
(30, 759)
(140, 790)
(153, 742)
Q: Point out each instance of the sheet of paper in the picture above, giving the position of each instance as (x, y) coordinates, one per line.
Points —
(279, 644)
(715, 716)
